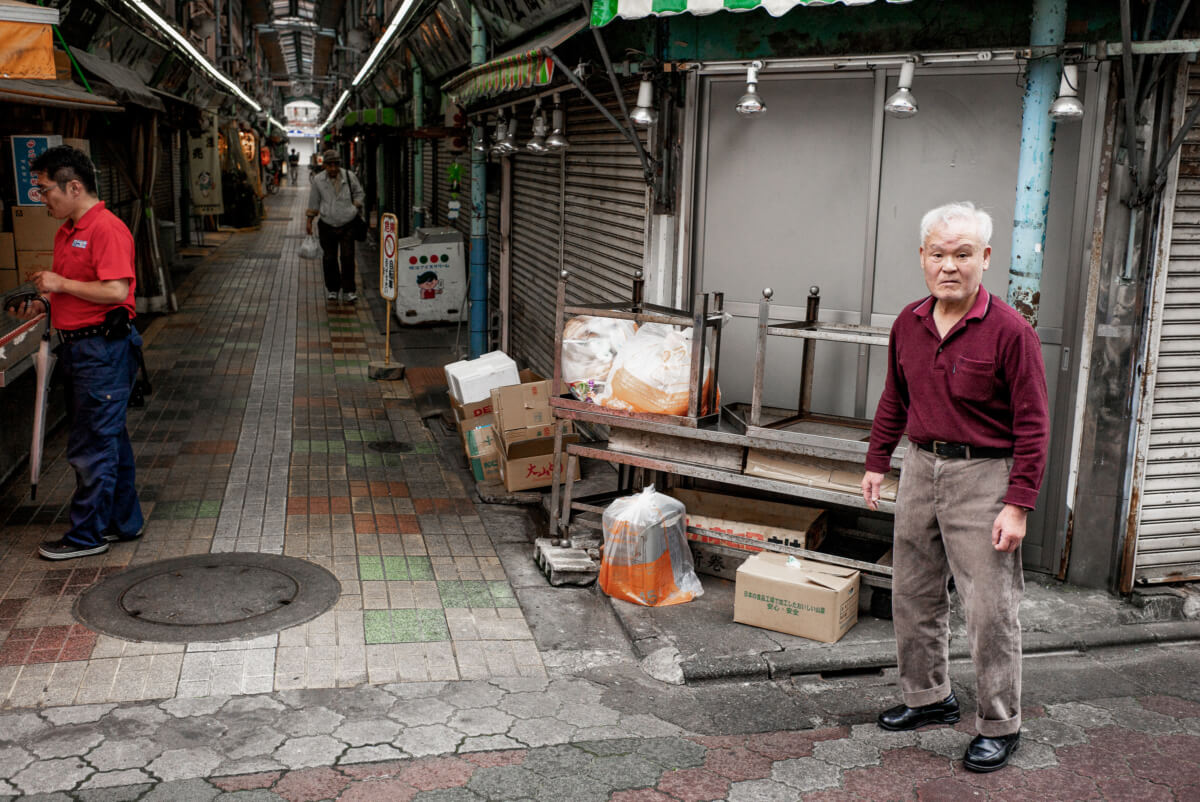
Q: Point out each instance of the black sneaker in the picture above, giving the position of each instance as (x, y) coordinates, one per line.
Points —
(113, 536)
(62, 549)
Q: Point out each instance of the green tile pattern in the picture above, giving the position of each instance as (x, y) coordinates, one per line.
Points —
(475, 593)
(405, 626)
(395, 568)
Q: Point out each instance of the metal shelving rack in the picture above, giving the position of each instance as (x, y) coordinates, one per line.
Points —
(690, 435)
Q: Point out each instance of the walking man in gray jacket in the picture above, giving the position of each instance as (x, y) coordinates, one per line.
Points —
(337, 197)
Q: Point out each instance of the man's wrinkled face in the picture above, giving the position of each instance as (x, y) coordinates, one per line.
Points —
(332, 167)
(953, 259)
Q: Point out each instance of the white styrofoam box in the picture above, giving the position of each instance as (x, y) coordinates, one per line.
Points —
(472, 380)
(431, 276)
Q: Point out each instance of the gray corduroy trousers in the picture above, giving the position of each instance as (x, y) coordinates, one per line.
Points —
(944, 515)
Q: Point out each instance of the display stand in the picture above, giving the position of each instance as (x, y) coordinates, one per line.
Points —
(686, 441)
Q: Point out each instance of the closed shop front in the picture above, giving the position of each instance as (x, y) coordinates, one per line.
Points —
(825, 190)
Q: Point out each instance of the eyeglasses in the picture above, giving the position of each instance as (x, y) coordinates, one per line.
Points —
(39, 190)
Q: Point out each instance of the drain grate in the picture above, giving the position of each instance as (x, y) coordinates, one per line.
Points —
(208, 597)
(390, 446)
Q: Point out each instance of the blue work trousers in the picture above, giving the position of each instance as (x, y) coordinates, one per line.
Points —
(98, 374)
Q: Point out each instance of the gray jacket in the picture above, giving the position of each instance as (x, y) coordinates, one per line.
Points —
(335, 200)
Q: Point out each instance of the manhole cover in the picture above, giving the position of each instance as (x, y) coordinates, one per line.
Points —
(208, 597)
(390, 446)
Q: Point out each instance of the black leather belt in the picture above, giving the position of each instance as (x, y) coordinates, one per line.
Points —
(80, 334)
(940, 448)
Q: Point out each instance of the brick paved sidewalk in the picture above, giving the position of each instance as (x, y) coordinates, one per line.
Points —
(264, 434)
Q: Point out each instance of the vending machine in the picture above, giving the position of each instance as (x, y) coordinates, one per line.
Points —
(431, 274)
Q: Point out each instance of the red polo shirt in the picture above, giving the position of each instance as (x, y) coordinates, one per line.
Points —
(97, 248)
(983, 384)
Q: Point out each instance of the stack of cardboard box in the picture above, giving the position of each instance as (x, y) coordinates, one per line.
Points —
(33, 237)
(508, 433)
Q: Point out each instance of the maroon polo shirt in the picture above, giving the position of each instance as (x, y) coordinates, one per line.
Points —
(983, 385)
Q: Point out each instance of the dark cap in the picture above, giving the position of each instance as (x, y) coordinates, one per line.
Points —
(332, 156)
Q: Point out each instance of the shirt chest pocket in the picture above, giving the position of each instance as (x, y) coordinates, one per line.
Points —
(972, 379)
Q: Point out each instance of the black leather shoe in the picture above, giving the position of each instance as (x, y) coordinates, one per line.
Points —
(988, 754)
(903, 717)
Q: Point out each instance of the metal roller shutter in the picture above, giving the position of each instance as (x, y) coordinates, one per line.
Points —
(164, 180)
(1168, 536)
(429, 181)
(604, 235)
(583, 210)
(536, 227)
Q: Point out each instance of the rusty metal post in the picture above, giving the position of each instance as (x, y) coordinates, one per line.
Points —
(811, 313)
(760, 357)
(718, 307)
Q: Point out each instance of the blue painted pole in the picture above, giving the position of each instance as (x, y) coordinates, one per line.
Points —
(1047, 27)
(479, 244)
(418, 84)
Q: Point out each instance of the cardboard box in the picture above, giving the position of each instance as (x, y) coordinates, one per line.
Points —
(34, 228)
(483, 452)
(845, 477)
(32, 261)
(479, 413)
(523, 405)
(79, 144)
(8, 253)
(62, 69)
(799, 597)
(766, 521)
(10, 279)
(530, 463)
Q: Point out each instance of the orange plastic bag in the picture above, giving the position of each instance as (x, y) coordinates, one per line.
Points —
(646, 556)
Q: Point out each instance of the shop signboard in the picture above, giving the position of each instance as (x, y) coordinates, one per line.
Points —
(204, 166)
(24, 150)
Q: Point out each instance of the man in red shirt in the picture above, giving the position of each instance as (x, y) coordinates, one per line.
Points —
(90, 291)
(965, 378)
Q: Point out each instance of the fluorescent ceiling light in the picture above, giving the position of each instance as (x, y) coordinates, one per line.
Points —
(397, 20)
(181, 40)
(276, 123)
(336, 108)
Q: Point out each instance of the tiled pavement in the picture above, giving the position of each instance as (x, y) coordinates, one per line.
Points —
(556, 741)
(424, 682)
(264, 434)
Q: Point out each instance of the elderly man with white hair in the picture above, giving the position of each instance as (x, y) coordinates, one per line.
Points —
(965, 379)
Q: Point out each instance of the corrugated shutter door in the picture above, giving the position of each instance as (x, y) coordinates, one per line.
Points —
(535, 243)
(164, 180)
(429, 179)
(605, 221)
(493, 237)
(1168, 547)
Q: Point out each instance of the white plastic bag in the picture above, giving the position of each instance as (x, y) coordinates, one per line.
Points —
(652, 372)
(646, 556)
(589, 345)
(310, 248)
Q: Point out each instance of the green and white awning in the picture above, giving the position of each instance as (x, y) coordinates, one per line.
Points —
(605, 11)
(521, 69)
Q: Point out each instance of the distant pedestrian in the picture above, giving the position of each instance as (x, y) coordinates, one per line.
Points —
(337, 197)
(965, 378)
(294, 166)
(91, 298)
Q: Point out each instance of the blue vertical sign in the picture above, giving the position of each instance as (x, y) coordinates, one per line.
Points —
(25, 149)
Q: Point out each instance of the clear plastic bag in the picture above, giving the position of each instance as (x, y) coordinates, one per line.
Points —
(646, 556)
(589, 345)
(310, 248)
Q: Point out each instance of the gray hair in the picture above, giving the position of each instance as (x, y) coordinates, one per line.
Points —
(954, 212)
